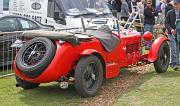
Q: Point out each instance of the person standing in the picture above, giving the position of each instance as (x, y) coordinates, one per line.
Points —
(124, 10)
(163, 10)
(108, 2)
(114, 4)
(158, 7)
(131, 4)
(114, 8)
(177, 23)
(149, 19)
(170, 21)
(141, 5)
(168, 6)
(178, 37)
(160, 18)
(119, 4)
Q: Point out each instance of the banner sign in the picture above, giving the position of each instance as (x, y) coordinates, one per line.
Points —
(35, 9)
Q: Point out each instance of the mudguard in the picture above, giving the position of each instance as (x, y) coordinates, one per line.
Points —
(111, 69)
(153, 53)
(89, 52)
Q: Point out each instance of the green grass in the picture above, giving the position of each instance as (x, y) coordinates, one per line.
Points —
(153, 89)
(46, 95)
(5, 72)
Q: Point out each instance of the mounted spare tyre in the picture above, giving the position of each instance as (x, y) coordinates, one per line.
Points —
(35, 56)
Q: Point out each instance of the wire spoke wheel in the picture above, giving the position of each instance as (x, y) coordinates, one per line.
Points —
(34, 54)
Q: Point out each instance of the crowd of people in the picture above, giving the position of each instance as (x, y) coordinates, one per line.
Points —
(170, 17)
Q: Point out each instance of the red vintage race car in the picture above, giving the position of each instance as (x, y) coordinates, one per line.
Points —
(85, 58)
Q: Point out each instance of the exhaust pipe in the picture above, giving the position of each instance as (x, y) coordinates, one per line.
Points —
(17, 85)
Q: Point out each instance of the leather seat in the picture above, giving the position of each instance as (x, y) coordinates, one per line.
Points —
(104, 34)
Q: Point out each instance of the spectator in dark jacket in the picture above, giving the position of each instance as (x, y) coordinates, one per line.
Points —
(118, 4)
(149, 18)
(168, 6)
(177, 12)
(178, 36)
(170, 21)
(114, 4)
(108, 2)
(124, 10)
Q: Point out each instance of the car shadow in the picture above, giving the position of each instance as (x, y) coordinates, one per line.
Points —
(151, 74)
(170, 73)
(50, 95)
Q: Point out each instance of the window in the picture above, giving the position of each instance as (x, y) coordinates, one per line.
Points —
(33, 25)
(5, 5)
(27, 24)
(8, 25)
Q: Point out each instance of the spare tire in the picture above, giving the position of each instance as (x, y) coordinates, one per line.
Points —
(35, 56)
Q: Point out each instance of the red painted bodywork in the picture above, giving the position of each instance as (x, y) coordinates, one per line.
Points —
(147, 36)
(152, 56)
(127, 52)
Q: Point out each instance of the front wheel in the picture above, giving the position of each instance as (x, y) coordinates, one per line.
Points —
(88, 76)
(162, 63)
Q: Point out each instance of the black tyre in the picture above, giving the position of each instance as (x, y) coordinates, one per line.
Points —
(35, 56)
(26, 85)
(88, 76)
(162, 63)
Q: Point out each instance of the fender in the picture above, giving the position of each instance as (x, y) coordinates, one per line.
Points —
(153, 53)
(89, 52)
(111, 69)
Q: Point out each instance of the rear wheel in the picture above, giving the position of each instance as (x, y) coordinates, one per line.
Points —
(162, 63)
(26, 85)
(88, 76)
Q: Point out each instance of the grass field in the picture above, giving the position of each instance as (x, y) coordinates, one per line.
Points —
(46, 95)
(5, 72)
(153, 90)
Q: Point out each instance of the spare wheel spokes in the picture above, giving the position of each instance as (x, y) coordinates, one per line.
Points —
(33, 56)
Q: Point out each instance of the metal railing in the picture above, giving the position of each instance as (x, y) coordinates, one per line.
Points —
(9, 46)
(10, 43)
